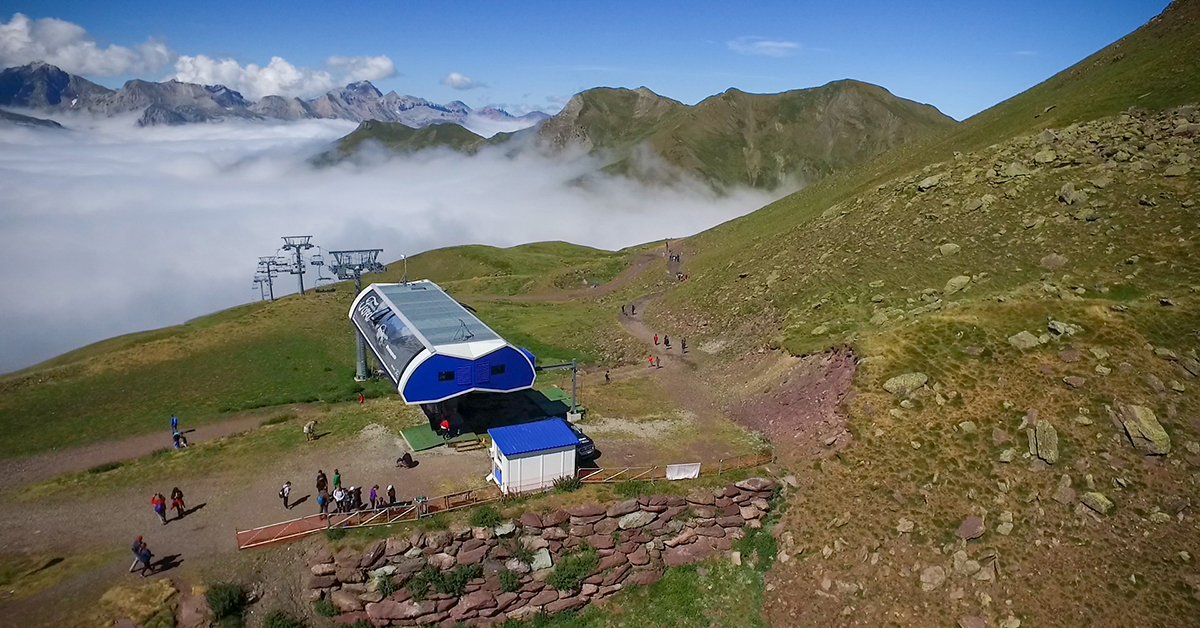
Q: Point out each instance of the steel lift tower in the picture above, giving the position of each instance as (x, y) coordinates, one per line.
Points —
(299, 244)
(260, 282)
(352, 265)
(269, 266)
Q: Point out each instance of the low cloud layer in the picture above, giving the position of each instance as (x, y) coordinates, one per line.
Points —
(115, 229)
(279, 77)
(458, 81)
(69, 47)
(763, 47)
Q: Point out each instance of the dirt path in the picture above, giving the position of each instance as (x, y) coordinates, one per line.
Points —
(43, 466)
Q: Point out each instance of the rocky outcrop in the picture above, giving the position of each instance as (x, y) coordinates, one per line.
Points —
(639, 539)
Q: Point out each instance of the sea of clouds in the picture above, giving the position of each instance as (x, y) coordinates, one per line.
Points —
(107, 228)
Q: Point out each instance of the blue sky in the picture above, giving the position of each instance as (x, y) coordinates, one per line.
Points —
(960, 57)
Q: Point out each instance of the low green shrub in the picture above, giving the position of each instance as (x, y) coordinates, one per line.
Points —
(281, 619)
(387, 586)
(510, 581)
(454, 582)
(519, 551)
(226, 600)
(486, 516)
(572, 568)
(568, 484)
(325, 608)
(335, 534)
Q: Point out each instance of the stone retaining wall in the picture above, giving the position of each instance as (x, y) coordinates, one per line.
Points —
(635, 541)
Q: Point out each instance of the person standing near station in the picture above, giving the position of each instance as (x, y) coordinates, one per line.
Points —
(323, 503)
(322, 482)
(177, 502)
(160, 507)
(374, 497)
(285, 493)
(337, 479)
(391, 495)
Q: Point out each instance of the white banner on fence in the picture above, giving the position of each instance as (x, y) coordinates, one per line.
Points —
(689, 471)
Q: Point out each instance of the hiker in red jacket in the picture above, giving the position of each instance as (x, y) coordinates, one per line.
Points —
(656, 340)
(160, 507)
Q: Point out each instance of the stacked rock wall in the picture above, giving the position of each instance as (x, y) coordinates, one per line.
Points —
(635, 540)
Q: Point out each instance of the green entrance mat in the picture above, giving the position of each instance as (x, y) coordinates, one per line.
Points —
(422, 437)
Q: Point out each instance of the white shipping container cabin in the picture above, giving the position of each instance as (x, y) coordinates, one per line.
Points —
(531, 456)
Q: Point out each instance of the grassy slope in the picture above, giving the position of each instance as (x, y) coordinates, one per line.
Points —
(294, 349)
(1156, 66)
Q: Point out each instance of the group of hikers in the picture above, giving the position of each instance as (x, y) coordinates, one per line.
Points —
(343, 500)
(161, 507)
(177, 438)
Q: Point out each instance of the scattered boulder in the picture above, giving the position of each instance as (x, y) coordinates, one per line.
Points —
(1047, 441)
(1053, 261)
(971, 528)
(929, 183)
(636, 520)
(906, 384)
(1070, 196)
(1096, 501)
(1024, 340)
(932, 578)
(1144, 430)
(1074, 381)
(956, 284)
(1045, 156)
(949, 249)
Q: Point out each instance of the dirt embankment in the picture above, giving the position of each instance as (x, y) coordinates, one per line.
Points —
(803, 414)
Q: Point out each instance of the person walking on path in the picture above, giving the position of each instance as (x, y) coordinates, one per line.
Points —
(683, 345)
(144, 556)
(322, 483)
(607, 379)
(174, 424)
(138, 544)
(285, 493)
(323, 503)
(667, 342)
(374, 497)
(310, 430)
(633, 309)
(337, 479)
(391, 495)
(361, 398)
(160, 507)
(657, 361)
(651, 359)
(623, 310)
(656, 340)
(177, 502)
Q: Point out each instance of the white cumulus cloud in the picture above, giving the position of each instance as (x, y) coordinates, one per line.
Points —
(762, 46)
(458, 81)
(69, 47)
(279, 77)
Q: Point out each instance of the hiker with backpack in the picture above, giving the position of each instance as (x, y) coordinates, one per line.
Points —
(285, 492)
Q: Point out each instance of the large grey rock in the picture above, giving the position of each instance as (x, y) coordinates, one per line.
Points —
(932, 578)
(635, 520)
(1047, 441)
(1144, 430)
(1053, 261)
(906, 384)
(541, 560)
(1069, 195)
(949, 249)
(955, 284)
(929, 182)
(1024, 340)
(755, 484)
(345, 601)
(1096, 501)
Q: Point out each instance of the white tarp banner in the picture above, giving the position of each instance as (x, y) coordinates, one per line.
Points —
(689, 471)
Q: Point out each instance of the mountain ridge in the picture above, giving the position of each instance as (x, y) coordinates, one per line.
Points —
(44, 87)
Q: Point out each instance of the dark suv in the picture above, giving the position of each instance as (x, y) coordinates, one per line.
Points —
(586, 448)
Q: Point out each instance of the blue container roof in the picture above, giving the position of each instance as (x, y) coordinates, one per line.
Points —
(514, 440)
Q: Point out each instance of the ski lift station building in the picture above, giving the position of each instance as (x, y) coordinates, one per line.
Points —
(434, 349)
(531, 456)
